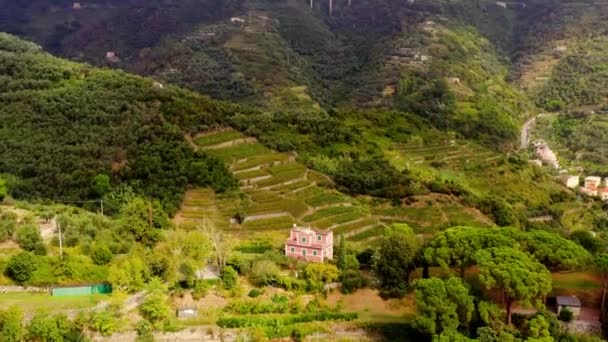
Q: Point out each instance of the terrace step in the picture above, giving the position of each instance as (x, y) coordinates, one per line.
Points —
(265, 216)
(360, 230)
(230, 143)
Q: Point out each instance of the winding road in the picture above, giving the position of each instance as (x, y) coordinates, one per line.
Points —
(525, 132)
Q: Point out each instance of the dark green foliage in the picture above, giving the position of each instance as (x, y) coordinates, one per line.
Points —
(155, 308)
(394, 260)
(587, 240)
(21, 267)
(81, 123)
(255, 292)
(566, 315)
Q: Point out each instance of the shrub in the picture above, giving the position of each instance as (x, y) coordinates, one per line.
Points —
(105, 322)
(566, 315)
(254, 293)
(229, 278)
(155, 308)
(21, 267)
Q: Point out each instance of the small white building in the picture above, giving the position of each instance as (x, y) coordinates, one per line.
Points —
(237, 20)
(572, 181)
(569, 302)
(593, 182)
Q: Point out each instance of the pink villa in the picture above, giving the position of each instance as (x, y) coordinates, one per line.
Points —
(310, 244)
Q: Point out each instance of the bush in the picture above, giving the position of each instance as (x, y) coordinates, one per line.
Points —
(21, 267)
(566, 315)
(254, 293)
(229, 278)
(155, 308)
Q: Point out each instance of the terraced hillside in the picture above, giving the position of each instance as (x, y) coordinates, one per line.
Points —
(276, 191)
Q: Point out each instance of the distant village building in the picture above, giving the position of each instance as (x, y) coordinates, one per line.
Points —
(112, 57)
(310, 244)
(236, 20)
(544, 153)
(76, 6)
(572, 181)
(593, 182)
(569, 302)
(210, 272)
(501, 4)
(588, 192)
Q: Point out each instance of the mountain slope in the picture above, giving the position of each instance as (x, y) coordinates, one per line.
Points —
(63, 123)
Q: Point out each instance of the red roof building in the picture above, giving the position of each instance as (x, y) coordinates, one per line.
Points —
(310, 244)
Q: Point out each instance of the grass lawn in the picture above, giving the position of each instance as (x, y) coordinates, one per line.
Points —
(29, 302)
(372, 308)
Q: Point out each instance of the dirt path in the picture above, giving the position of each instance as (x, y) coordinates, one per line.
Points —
(525, 132)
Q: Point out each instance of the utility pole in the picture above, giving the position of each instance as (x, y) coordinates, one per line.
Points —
(101, 201)
(60, 238)
(311, 4)
(331, 7)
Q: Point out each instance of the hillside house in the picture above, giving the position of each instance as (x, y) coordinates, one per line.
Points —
(593, 182)
(591, 192)
(310, 244)
(544, 153)
(570, 302)
(572, 181)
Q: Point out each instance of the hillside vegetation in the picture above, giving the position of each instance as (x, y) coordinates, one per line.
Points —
(64, 125)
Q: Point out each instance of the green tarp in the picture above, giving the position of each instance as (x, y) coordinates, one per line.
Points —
(81, 290)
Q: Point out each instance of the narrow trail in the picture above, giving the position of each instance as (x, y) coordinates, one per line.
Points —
(525, 132)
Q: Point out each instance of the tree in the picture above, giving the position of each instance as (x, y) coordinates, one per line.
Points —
(29, 238)
(128, 273)
(554, 251)
(601, 266)
(144, 220)
(394, 260)
(101, 184)
(518, 276)
(21, 267)
(230, 278)
(442, 305)
(101, 254)
(263, 272)
(155, 308)
(457, 246)
(11, 329)
(321, 273)
(586, 239)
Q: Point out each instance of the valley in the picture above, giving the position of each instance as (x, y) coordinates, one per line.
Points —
(277, 170)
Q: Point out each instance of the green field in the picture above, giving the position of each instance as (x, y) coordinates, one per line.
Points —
(29, 302)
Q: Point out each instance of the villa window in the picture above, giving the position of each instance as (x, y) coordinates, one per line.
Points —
(303, 252)
(318, 237)
(293, 250)
(303, 240)
(314, 253)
